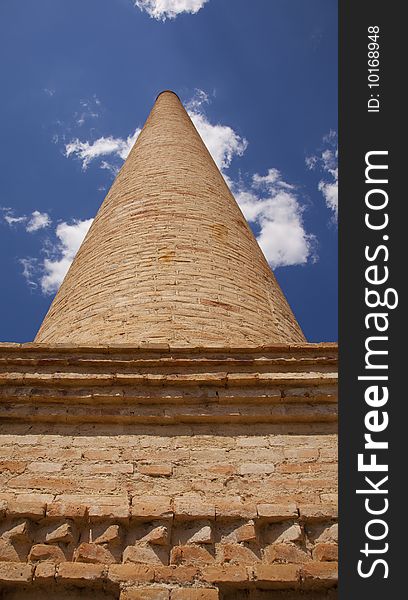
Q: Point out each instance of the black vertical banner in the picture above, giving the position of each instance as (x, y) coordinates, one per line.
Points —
(373, 236)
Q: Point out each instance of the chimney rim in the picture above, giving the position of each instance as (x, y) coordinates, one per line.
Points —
(167, 92)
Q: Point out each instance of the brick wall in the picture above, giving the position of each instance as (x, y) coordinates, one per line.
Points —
(156, 473)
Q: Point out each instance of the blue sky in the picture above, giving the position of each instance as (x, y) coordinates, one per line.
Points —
(79, 78)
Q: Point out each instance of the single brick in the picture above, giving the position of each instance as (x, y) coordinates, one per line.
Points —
(145, 593)
(318, 512)
(13, 572)
(66, 509)
(176, 574)
(40, 552)
(72, 572)
(281, 576)
(190, 555)
(277, 512)
(286, 553)
(130, 573)
(156, 470)
(325, 552)
(151, 507)
(225, 574)
(319, 573)
(93, 553)
(189, 507)
(45, 572)
(194, 594)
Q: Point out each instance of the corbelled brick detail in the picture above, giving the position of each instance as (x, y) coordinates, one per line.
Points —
(170, 257)
(105, 480)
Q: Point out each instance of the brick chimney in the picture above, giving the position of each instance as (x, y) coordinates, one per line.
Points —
(170, 257)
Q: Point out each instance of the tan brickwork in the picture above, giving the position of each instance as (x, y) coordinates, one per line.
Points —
(170, 257)
(100, 473)
(170, 435)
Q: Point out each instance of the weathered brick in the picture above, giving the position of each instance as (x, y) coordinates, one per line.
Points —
(281, 576)
(146, 554)
(234, 508)
(194, 594)
(225, 574)
(48, 552)
(244, 533)
(130, 573)
(157, 536)
(155, 470)
(109, 511)
(145, 593)
(317, 512)
(237, 554)
(286, 553)
(325, 552)
(44, 467)
(45, 572)
(316, 574)
(15, 573)
(151, 507)
(31, 510)
(190, 555)
(66, 509)
(75, 572)
(13, 466)
(301, 454)
(256, 469)
(93, 553)
(189, 507)
(277, 512)
(176, 574)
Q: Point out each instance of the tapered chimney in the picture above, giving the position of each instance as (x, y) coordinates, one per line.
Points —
(169, 257)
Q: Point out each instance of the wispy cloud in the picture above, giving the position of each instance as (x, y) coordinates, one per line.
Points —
(169, 9)
(36, 221)
(89, 109)
(102, 147)
(326, 162)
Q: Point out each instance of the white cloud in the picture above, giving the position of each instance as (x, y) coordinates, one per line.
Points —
(30, 268)
(326, 162)
(102, 147)
(273, 205)
(222, 141)
(49, 272)
(70, 237)
(169, 9)
(11, 220)
(36, 221)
